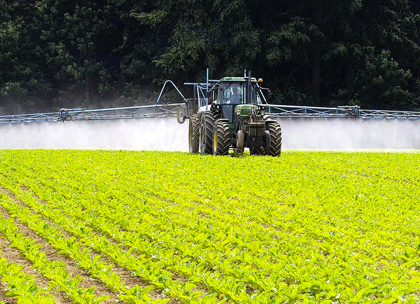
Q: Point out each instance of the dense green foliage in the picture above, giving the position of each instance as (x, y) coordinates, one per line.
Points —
(311, 227)
(56, 53)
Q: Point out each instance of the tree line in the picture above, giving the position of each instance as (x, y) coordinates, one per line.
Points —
(59, 53)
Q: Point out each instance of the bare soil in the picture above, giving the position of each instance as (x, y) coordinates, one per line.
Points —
(71, 266)
(13, 255)
(100, 288)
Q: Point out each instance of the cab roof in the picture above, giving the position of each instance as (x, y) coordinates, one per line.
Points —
(236, 79)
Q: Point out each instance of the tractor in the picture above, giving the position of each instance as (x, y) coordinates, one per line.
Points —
(233, 117)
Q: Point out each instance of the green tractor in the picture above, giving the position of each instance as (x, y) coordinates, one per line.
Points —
(233, 117)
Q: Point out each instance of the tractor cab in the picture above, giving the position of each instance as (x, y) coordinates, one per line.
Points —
(233, 90)
(236, 93)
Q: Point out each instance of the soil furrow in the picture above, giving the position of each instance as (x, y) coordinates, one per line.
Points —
(3, 297)
(125, 274)
(13, 255)
(87, 281)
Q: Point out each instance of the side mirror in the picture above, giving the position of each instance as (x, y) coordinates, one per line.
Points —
(267, 93)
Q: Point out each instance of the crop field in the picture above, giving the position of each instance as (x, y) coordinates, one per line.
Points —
(161, 227)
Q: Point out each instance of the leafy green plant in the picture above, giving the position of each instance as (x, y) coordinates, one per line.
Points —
(22, 286)
(312, 226)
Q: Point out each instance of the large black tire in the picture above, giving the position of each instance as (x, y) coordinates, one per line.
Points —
(206, 133)
(194, 134)
(221, 138)
(275, 138)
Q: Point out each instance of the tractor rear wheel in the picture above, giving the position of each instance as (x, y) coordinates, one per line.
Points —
(194, 133)
(221, 138)
(274, 129)
(206, 133)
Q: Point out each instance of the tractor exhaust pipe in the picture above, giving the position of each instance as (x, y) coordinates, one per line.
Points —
(248, 88)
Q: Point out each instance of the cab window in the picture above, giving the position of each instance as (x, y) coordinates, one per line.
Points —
(231, 93)
(235, 93)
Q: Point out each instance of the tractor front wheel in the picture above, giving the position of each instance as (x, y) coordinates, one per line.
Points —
(194, 133)
(274, 129)
(206, 133)
(221, 138)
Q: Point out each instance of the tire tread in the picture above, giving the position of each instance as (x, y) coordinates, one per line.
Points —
(223, 138)
(194, 142)
(275, 138)
(208, 119)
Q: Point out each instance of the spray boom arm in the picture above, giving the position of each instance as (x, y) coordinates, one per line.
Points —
(184, 109)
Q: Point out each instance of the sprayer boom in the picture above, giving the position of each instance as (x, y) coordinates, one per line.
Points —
(286, 111)
(180, 110)
(150, 111)
(204, 94)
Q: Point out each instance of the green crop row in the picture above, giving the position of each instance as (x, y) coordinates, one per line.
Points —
(77, 225)
(311, 226)
(53, 270)
(80, 254)
(22, 286)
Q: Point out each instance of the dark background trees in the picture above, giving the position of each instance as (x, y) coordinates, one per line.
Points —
(56, 53)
